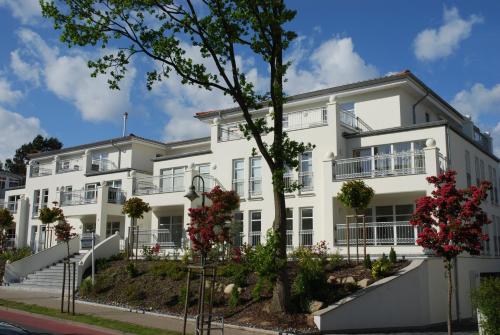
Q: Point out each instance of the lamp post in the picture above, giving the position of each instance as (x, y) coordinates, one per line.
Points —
(192, 195)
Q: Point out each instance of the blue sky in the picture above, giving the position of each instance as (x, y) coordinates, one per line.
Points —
(453, 46)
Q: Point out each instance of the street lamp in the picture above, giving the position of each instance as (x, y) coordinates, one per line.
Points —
(192, 195)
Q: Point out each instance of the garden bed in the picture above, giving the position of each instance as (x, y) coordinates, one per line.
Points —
(160, 286)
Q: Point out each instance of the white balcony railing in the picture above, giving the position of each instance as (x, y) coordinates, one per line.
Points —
(163, 237)
(68, 165)
(404, 163)
(170, 184)
(103, 165)
(352, 121)
(306, 181)
(305, 119)
(254, 238)
(40, 171)
(378, 233)
(78, 197)
(255, 187)
(116, 196)
(306, 237)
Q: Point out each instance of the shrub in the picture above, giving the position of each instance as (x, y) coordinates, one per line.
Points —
(151, 253)
(392, 256)
(234, 299)
(118, 257)
(86, 287)
(381, 267)
(101, 264)
(237, 272)
(336, 261)
(263, 260)
(487, 299)
(132, 270)
(367, 262)
(15, 254)
(171, 269)
(310, 280)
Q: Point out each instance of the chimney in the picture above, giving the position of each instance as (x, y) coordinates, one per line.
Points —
(125, 118)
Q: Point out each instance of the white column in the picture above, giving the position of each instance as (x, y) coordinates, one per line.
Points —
(21, 219)
(325, 212)
(101, 213)
(87, 161)
(431, 153)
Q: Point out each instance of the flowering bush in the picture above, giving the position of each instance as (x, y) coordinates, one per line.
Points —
(151, 253)
(210, 224)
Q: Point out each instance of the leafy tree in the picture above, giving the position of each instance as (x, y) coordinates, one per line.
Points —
(18, 163)
(135, 209)
(222, 31)
(63, 233)
(209, 224)
(487, 300)
(357, 195)
(6, 222)
(50, 215)
(451, 222)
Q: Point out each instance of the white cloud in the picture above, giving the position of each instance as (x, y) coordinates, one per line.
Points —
(68, 76)
(477, 100)
(23, 70)
(15, 130)
(333, 63)
(432, 44)
(7, 94)
(25, 10)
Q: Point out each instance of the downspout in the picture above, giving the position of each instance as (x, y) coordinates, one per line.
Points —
(415, 106)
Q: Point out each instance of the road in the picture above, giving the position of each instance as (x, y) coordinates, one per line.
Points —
(46, 325)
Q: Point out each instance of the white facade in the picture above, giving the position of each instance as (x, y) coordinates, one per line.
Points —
(370, 130)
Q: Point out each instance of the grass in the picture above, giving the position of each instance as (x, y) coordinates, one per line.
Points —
(129, 328)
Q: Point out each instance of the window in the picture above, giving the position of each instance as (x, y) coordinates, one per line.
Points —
(348, 107)
(36, 202)
(112, 228)
(114, 183)
(90, 192)
(100, 161)
(203, 170)
(306, 173)
(306, 226)
(476, 167)
(238, 176)
(468, 168)
(12, 203)
(255, 227)
(483, 174)
(45, 198)
(427, 117)
(13, 183)
(287, 178)
(172, 179)
(255, 176)
(171, 231)
(289, 227)
(237, 229)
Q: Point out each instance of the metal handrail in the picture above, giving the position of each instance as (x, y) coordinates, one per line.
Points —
(296, 120)
(378, 233)
(103, 165)
(78, 197)
(352, 121)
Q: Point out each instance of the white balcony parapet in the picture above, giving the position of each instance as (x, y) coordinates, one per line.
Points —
(352, 121)
(39, 171)
(78, 197)
(399, 164)
(378, 233)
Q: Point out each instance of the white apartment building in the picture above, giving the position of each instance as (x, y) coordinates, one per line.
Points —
(9, 180)
(391, 132)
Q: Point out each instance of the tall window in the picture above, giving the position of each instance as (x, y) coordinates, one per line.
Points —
(172, 179)
(112, 228)
(255, 227)
(203, 170)
(237, 229)
(255, 176)
(289, 227)
(306, 173)
(90, 192)
(468, 168)
(12, 203)
(36, 202)
(239, 177)
(100, 162)
(45, 198)
(306, 226)
(171, 231)
(478, 174)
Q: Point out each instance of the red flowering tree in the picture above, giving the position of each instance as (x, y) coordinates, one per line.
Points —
(451, 221)
(210, 224)
(63, 229)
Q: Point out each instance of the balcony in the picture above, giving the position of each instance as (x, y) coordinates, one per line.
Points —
(306, 237)
(399, 164)
(102, 165)
(378, 233)
(309, 118)
(305, 181)
(40, 171)
(254, 238)
(78, 197)
(68, 165)
(165, 238)
(350, 120)
(169, 184)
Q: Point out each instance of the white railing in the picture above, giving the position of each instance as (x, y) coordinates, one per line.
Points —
(404, 163)
(305, 119)
(378, 233)
(102, 165)
(229, 132)
(352, 121)
(78, 197)
(238, 239)
(255, 187)
(116, 196)
(68, 165)
(158, 184)
(102, 250)
(39, 171)
(306, 237)
(289, 239)
(443, 163)
(150, 237)
(306, 181)
(254, 238)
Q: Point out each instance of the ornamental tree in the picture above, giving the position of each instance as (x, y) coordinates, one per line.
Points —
(355, 194)
(450, 222)
(50, 215)
(6, 221)
(202, 43)
(135, 209)
(210, 225)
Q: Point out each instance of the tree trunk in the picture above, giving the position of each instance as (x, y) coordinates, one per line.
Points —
(67, 245)
(281, 293)
(448, 266)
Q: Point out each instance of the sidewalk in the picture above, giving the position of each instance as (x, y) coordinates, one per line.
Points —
(153, 320)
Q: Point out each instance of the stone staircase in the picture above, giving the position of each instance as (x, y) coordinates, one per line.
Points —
(48, 279)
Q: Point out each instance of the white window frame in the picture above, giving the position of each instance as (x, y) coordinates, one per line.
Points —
(306, 235)
(172, 179)
(254, 236)
(238, 184)
(255, 179)
(306, 176)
